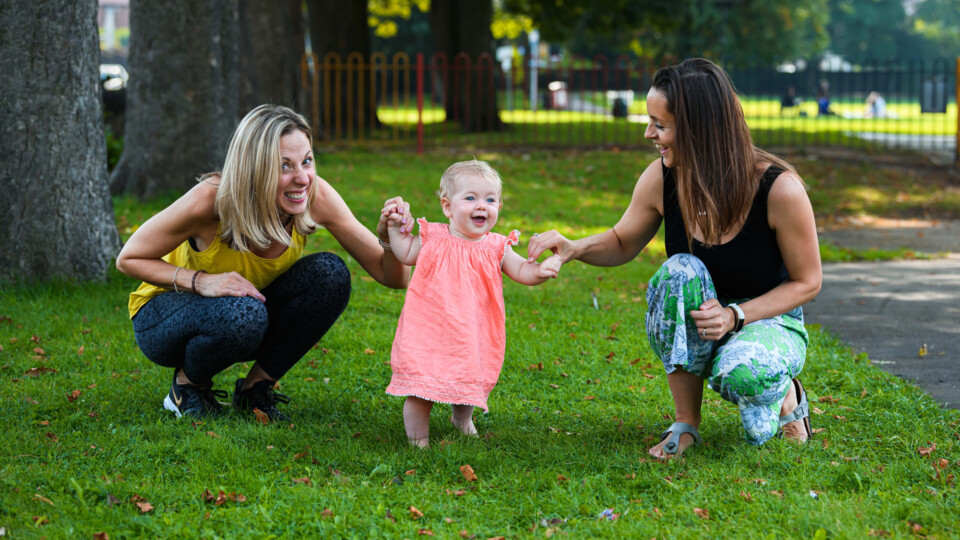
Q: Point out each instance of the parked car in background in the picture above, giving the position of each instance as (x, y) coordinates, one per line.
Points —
(113, 88)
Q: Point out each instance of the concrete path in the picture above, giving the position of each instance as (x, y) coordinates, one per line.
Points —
(893, 310)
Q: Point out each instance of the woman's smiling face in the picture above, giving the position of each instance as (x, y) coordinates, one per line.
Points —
(296, 173)
(662, 127)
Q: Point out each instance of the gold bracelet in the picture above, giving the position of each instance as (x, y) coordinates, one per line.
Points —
(175, 272)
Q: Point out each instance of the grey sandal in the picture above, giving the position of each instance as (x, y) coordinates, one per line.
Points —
(675, 431)
(802, 412)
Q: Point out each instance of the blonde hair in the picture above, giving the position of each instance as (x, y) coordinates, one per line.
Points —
(448, 182)
(247, 196)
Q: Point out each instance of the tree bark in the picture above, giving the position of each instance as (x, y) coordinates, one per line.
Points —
(470, 86)
(182, 100)
(55, 210)
(348, 105)
(271, 47)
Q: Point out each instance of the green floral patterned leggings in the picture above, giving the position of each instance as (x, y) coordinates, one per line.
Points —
(752, 368)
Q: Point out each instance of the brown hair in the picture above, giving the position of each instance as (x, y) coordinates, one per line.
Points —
(717, 165)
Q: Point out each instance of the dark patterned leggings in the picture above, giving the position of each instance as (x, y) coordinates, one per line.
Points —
(205, 336)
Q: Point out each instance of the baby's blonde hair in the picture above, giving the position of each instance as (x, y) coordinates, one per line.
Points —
(448, 182)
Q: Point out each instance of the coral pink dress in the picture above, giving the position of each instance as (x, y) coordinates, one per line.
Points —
(451, 336)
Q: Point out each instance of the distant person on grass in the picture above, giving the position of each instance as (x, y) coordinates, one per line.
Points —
(223, 277)
(451, 337)
(743, 258)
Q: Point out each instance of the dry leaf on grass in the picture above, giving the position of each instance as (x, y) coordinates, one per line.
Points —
(701, 513)
(926, 450)
(72, 396)
(261, 416)
(468, 473)
(414, 513)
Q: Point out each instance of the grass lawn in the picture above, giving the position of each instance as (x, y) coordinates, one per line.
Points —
(89, 448)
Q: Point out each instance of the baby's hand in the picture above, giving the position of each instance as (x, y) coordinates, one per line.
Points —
(550, 267)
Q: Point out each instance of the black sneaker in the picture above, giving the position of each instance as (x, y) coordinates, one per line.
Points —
(260, 396)
(196, 401)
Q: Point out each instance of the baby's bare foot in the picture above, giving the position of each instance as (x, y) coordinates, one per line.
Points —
(420, 443)
(466, 428)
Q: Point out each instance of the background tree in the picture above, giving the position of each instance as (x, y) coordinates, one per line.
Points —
(182, 102)
(469, 96)
(56, 213)
(270, 47)
(754, 30)
(865, 30)
(937, 23)
(341, 27)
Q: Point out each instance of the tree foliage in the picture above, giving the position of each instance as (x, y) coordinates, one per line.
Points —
(755, 30)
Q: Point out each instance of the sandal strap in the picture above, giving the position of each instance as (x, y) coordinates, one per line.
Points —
(802, 411)
(674, 432)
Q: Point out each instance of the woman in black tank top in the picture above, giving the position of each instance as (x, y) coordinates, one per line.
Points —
(744, 257)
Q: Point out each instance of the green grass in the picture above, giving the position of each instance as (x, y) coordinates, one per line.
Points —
(580, 399)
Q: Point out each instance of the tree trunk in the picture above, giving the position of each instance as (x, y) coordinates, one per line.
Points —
(182, 101)
(348, 104)
(470, 87)
(271, 47)
(55, 212)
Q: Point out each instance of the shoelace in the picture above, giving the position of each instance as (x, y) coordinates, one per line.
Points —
(209, 397)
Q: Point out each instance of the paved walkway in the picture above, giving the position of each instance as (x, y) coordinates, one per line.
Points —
(893, 310)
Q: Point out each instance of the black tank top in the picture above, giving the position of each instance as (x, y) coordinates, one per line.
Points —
(745, 267)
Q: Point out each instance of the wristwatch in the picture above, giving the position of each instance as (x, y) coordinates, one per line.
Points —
(739, 316)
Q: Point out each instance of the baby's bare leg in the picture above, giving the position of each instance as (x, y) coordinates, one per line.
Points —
(416, 420)
(463, 419)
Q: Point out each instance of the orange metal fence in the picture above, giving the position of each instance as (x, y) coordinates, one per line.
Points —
(436, 101)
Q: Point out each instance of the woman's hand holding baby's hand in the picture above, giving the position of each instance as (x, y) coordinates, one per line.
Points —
(396, 214)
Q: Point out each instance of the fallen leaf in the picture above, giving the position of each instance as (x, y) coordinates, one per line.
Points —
(414, 513)
(561, 478)
(778, 494)
(878, 532)
(326, 513)
(923, 350)
(52, 437)
(37, 371)
(101, 536)
(746, 496)
(144, 507)
(38, 351)
(816, 410)
(368, 350)
(425, 532)
(260, 416)
(237, 497)
(80, 350)
(942, 463)
(72, 396)
(589, 397)
(468, 473)
(207, 496)
(39, 497)
(411, 472)
(926, 451)
(827, 399)
(304, 480)
(915, 527)
(40, 520)
(701, 513)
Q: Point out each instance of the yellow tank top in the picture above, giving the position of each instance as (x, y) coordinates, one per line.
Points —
(219, 258)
